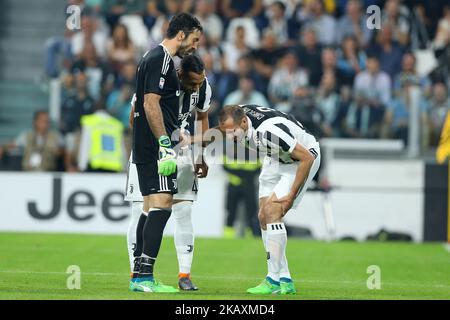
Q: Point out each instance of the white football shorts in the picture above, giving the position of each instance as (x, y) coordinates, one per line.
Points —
(186, 179)
(278, 177)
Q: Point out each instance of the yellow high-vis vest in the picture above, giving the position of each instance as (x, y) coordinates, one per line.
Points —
(443, 150)
(106, 135)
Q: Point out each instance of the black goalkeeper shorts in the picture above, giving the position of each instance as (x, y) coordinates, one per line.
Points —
(150, 182)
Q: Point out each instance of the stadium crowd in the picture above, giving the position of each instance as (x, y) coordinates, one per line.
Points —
(315, 59)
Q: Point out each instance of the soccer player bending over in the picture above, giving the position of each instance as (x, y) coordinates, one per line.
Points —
(155, 119)
(292, 158)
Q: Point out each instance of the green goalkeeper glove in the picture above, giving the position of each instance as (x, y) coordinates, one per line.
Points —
(167, 163)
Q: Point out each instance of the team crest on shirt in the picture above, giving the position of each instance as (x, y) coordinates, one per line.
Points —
(194, 100)
(161, 82)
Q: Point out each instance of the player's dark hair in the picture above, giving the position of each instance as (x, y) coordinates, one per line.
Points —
(183, 22)
(192, 63)
(233, 111)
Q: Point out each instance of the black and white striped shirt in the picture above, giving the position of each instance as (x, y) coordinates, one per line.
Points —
(275, 133)
(199, 100)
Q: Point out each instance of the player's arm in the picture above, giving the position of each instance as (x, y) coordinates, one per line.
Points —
(306, 160)
(156, 73)
(154, 115)
(131, 116)
(202, 126)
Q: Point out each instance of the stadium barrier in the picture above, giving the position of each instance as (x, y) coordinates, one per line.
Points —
(367, 196)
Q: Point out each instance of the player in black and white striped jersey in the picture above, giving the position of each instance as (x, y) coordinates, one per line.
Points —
(292, 158)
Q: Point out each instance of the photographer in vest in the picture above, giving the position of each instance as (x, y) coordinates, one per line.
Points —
(41, 147)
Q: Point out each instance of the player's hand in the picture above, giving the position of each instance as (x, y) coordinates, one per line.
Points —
(185, 137)
(201, 168)
(286, 203)
(167, 163)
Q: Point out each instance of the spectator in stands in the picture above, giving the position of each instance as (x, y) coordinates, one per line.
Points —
(329, 64)
(388, 51)
(229, 81)
(364, 117)
(76, 105)
(278, 22)
(102, 147)
(118, 102)
(251, 30)
(99, 77)
(151, 12)
(442, 37)
(408, 73)
(313, 15)
(397, 114)
(306, 111)
(437, 105)
(212, 25)
(89, 33)
(158, 31)
(120, 48)
(353, 23)
(351, 60)
(54, 47)
(41, 146)
(265, 58)
(114, 9)
(309, 53)
(207, 47)
(246, 94)
(397, 16)
(243, 8)
(234, 50)
(374, 81)
(328, 102)
(287, 82)
(210, 70)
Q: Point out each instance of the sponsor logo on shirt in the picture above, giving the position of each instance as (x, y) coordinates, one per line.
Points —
(161, 82)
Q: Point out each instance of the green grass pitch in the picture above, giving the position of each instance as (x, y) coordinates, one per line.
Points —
(33, 266)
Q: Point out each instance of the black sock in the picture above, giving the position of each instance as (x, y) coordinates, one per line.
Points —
(153, 231)
(146, 268)
(139, 236)
(136, 267)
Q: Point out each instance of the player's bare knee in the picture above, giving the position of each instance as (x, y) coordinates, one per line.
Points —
(273, 212)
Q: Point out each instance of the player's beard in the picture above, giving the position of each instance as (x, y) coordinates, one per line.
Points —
(183, 51)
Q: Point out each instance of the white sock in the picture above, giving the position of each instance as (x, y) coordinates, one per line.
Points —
(276, 245)
(264, 238)
(284, 268)
(135, 213)
(183, 235)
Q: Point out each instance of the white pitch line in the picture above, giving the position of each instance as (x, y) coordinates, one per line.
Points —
(223, 277)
